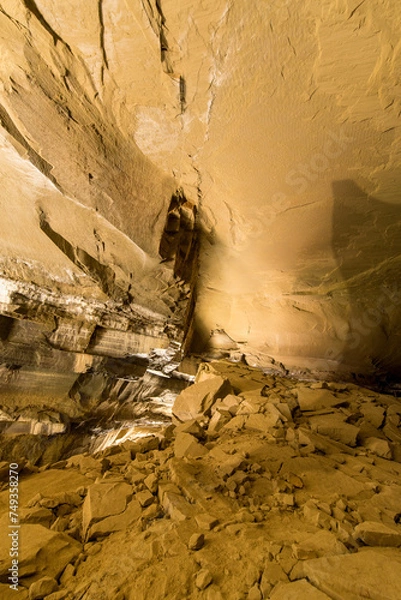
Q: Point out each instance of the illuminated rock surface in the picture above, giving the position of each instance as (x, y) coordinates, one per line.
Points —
(281, 513)
(278, 122)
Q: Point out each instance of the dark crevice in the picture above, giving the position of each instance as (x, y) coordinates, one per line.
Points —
(31, 6)
(102, 44)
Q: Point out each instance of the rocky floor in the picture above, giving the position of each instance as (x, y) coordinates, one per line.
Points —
(263, 487)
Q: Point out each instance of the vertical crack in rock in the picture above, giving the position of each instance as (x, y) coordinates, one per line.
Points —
(157, 22)
(102, 41)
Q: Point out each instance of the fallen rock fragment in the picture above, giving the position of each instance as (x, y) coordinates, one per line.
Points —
(372, 533)
(203, 579)
(104, 500)
(335, 427)
(41, 588)
(124, 520)
(378, 446)
(255, 593)
(298, 590)
(196, 541)
(262, 423)
(316, 399)
(373, 573)
(197, 400)
(42, 553)
(206, 521)
(187, 445)
(322, 543)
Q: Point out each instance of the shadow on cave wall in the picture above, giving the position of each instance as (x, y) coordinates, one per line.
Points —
(367, 246)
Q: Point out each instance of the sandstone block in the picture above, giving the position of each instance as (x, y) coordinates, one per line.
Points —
(272, 574)
(41, 588)
(217, 421)
(196, 541)
(378, 446)
(104, 500)
(203, 579)
(229, 405)
(310, 399)
(151, 482)
(373, 533)
(322, 543)
(187, 445)
(372, 573)
(255, 593)
(191, 427)
(120, 522)
(206, 521)
(42, 552)
(145, 498)
(373, 413)
(198, 399)
(177, 508)
(335, 427)
(262, 423)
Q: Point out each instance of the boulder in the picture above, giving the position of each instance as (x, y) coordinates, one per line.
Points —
(335, 427)
(322, 543)
(262, 423)
(41, 552)
(197, 400)
(316, 399)
(120, 522)
(104, 500)
(378, 446)
(196, 541)
(187, 445)
(41, 588)
(373, 533)
(203, 579)
(373, 573)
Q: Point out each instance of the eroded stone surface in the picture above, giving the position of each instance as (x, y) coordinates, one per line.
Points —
(257, 514)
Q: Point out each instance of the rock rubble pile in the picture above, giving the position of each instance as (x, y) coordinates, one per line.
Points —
(262, 487)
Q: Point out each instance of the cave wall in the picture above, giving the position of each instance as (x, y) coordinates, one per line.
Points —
(278, 120)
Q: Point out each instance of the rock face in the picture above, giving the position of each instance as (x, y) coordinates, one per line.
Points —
(119, 122)
(283, 513)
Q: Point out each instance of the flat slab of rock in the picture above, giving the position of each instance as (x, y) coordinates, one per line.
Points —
(298, 590)
(322, 543)
(373, 533)
(335, 427)
(373, 573)
(309, 399)
(124, 520)
(41, 552)
(198, 399)
(104, 500)
(261, 423)
(186, 444)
